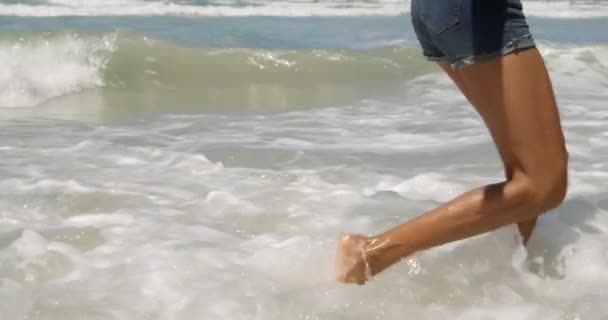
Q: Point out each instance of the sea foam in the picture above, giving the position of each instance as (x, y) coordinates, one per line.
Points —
(38, 68)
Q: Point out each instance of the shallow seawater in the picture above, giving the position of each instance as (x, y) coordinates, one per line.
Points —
(187, 167)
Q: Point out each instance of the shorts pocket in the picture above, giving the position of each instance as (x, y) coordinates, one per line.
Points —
(440, 15)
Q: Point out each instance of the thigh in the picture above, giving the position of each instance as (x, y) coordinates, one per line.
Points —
(514, 96)
(447, 68)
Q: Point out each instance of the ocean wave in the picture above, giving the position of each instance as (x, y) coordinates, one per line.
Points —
(578, 69)
(127, 68)
(207, 8)
(39, 67)
(42, 8)
(131, 65)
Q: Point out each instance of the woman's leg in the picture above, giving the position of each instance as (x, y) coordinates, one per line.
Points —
(513, 94)
(525, 227)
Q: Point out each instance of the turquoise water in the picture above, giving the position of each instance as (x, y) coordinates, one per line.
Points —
(196, 160)
(292, 62)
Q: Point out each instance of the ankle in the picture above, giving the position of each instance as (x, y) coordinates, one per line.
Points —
(373, 251)
(380, 253)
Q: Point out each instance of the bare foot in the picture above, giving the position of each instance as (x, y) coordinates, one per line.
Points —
(351, 266)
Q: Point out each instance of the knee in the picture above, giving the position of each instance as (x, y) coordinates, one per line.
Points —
(556, 182)
(553, 191)
(544, 188)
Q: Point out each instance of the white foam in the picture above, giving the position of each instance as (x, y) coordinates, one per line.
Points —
(255, 239)
(257, 8)
(430, 186)
(97, 220)
(30, 244)
(578, 68)
(36, 70)
(566, 9)
(219, 203)
(49, 185)
(587, 262)
(551, 9)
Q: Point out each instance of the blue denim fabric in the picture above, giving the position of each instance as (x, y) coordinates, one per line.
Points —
(466, 32)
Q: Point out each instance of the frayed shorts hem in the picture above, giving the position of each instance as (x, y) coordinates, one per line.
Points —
(514, 45)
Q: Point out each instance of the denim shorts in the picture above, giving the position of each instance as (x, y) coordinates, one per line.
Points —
(466, 32)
